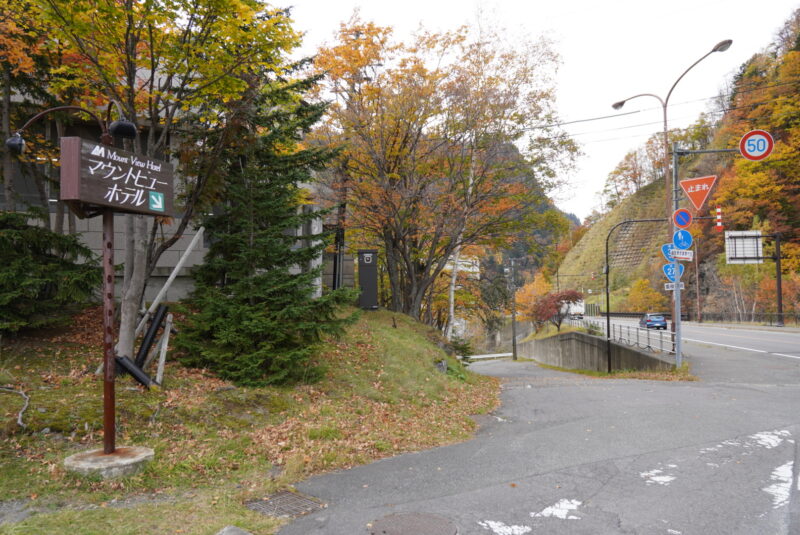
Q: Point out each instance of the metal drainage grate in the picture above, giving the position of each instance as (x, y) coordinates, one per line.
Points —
(413, 524)
(285, 504)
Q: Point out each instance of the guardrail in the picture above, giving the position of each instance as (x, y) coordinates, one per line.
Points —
(765, 318)
(657, 341)
(789, 318)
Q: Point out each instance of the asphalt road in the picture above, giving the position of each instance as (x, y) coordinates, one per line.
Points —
(781, 343)
(571, 454)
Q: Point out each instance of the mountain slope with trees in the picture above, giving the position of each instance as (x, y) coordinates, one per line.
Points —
(762, 195)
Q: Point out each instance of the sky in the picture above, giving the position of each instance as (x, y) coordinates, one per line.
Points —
(610, 50)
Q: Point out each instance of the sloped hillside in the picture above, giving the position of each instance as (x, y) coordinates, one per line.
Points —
(761, 195)
(634, 249)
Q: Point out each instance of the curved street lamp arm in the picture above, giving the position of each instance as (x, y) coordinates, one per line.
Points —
(621, 103)
(39, 115)
(666, 100)
(120, 111)
(607, 271)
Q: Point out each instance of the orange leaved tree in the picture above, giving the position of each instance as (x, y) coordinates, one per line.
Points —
(430, 134)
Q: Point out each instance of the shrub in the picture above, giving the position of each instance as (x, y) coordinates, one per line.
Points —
(44, 276)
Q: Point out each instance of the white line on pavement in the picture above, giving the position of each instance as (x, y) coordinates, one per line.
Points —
(784, 355)
(726, 345)
(744, 348)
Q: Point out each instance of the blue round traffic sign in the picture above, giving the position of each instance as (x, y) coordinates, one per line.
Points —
(682, 218)
(682, 239)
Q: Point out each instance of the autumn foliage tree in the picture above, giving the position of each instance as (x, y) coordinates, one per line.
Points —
(643, 298)
(765, 94)
(173, 66)
(430, 133)
(527, 296)
(554, 307)
(20, 45)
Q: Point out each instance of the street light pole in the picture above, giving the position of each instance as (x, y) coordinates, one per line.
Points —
(607, 270)
(671, 189)
(722, 46)
(513, 313)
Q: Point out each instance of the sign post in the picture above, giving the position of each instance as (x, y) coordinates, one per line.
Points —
(754, 145)
(117, 181)
(679, 240)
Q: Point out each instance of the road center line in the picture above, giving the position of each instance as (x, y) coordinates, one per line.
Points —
(751, 337)
(785, 355)
(726, 345)
(744, 348)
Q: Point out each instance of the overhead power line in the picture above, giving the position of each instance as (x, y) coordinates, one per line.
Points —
(611, 116)
(566, 135)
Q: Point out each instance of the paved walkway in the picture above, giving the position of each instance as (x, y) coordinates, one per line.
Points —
(571, 454)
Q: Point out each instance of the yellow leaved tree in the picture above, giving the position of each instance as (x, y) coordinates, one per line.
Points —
(643, 298)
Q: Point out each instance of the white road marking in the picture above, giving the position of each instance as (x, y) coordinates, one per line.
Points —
(739, 347)
(498, 528)
(735, 329)
(657, 476)
(726, 330)
(781, 489)
(764, 439)
(785, 355)
(724, 345)
(770, 439)
(560, 509)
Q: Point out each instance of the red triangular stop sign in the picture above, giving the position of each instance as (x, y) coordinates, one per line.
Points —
(697, 189)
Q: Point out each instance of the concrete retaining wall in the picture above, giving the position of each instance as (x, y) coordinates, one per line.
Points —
(580, 351)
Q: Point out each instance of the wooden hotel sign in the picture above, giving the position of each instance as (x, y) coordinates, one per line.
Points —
(106, 176)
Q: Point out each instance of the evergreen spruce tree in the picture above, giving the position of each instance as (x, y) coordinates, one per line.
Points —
(254, 317)
(44, 276)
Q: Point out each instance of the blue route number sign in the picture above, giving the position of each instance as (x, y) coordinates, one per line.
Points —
(665, 250)
(669, 272)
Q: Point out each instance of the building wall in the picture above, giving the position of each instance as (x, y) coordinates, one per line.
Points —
(348, 275)
(91, 233)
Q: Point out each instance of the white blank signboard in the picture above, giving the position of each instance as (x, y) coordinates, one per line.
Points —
(743, 247)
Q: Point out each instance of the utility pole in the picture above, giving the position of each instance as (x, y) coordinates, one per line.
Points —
(513, 313)
(779, 286)
(676, 310)
(697, 279)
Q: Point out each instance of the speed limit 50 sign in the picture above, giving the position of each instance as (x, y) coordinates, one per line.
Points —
(756, 145)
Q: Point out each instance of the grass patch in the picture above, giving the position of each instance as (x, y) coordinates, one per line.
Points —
(194, 514)
(324, 433)
(218, 445)
(676, 374)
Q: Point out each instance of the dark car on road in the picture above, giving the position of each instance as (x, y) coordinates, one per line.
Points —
(653, 321)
